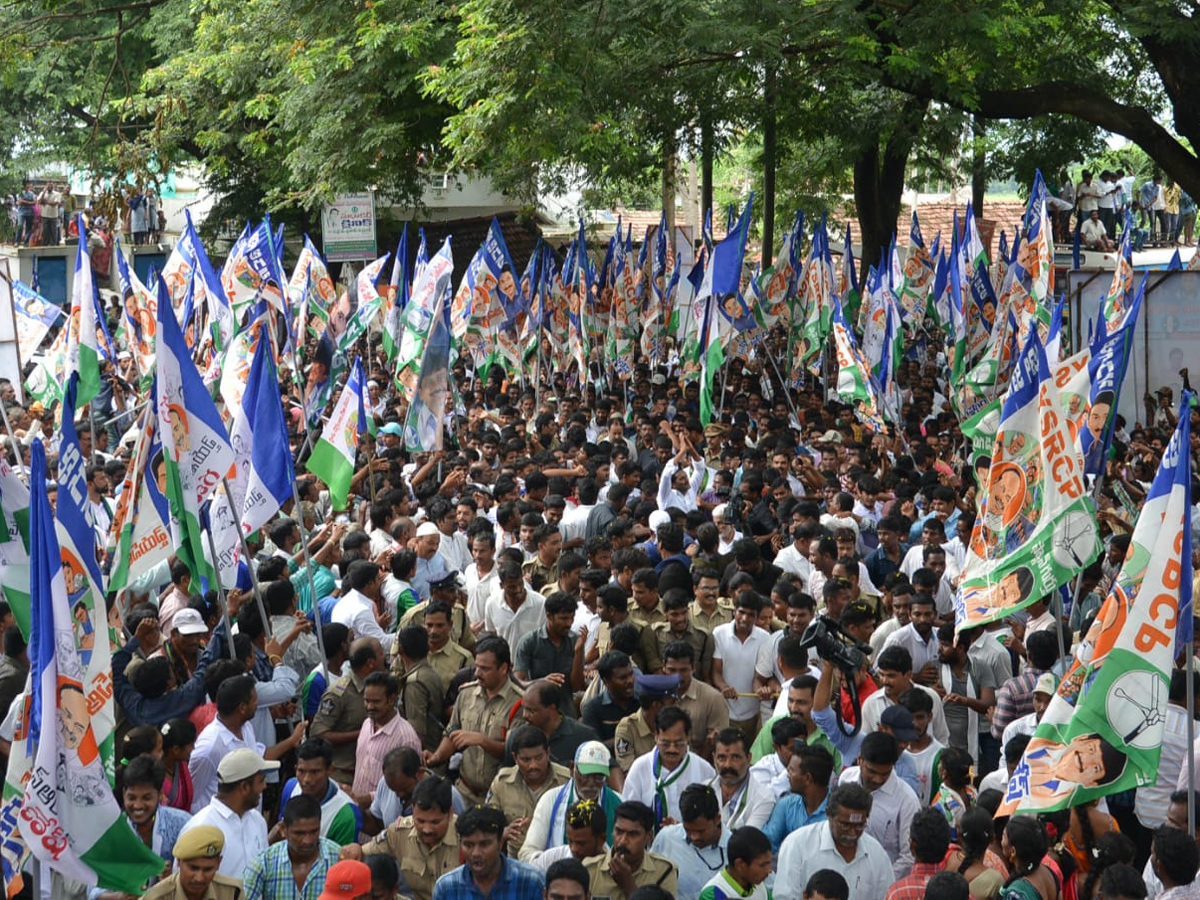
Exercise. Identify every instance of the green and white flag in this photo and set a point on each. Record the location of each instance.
(430, 286)
(333, 456)
(1103, 730)
(196, 449)
(83, 348)
(1036, 526)
(14, 545)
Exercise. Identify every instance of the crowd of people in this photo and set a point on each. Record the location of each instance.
(1160, 211)
(567, 654)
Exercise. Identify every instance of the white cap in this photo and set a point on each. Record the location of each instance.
(189, 621)
(426, 529)
(240, 764)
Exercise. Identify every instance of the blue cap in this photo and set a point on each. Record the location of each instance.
(656, 687)
(392, 428)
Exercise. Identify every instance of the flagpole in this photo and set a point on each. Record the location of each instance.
(312, 588)
(262, 609)
(19, 465)
(298, 510)
(221, 601)
(1191, 736)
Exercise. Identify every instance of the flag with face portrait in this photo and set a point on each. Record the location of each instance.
(1103, 730)
(1118, 300)
(424, 425)
(34, 316)
(1036, 526)
(1108, 362)
(139, 306)
(430, 286)
(913, 291)
(479, 308)
(855, 384)
(311, 293)
(196, 450)
(139, 529)
(370, 304)
(813, 310)
(61, 754)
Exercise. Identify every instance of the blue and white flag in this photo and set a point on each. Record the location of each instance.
(69, 818)
(35, 316)
(269, 481)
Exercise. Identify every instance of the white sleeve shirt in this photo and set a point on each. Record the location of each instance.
(811, 848)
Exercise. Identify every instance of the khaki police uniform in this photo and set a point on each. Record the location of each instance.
(422, 700)
(640, 617)
(721, 614)
(491, 717)
(421, 866)
(342, 709)
(655, 869)
(203, 842)
(658, 636)
(513, 797)
(460, 628)
(707, 708)
(633, 739)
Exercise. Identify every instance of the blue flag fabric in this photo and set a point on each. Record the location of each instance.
(271, 473)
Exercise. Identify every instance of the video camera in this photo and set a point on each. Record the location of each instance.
(835, 645)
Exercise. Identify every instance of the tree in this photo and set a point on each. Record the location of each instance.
(1126, 67)
(286, 104)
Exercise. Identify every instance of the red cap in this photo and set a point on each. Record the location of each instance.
(346, 880)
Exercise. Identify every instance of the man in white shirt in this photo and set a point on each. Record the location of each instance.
(918, 638)
(241, 780)
(698, 844)
(735, 651)
(481, 577)
(659, 777)
(453, 545)
(516, 609)
(359, 609)
(679, 487)
(841, 844)
(727, 534)
(893, 802)
(794, 557)
(744, 800)
(895, 676)
(1094, 235)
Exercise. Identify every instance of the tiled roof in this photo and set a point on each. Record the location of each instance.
(467, 234)
(939, 217)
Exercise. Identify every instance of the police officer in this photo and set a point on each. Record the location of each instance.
(629, 863)
(635, 732)
(198, 856)
(342, 711)
(425, 844)
(517, 789)
(480, 722)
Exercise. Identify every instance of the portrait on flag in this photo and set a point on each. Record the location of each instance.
(1036, 525)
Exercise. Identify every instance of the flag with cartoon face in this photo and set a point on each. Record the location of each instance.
(1036, 526)
(58, 800)
(1103, 730)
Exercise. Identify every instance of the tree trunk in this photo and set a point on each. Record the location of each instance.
(668, 183)
(706, 167)
(769, 147)
(879, 183)
(978, 165)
